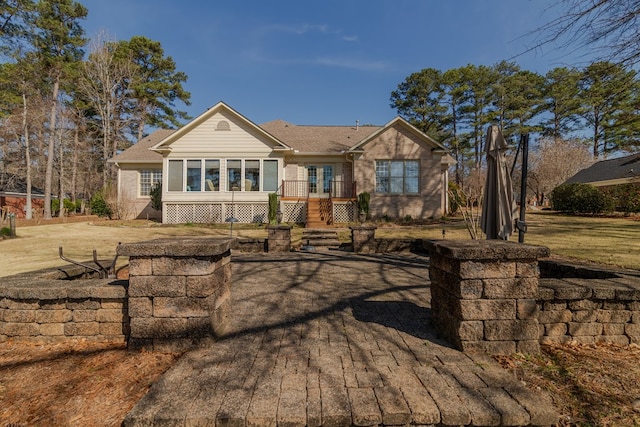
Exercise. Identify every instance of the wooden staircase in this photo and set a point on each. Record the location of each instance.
(318, 213)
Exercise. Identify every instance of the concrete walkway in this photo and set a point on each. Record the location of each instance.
(335, 339)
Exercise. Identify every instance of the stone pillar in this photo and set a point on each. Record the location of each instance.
(483, 294)
(179, 291)
(363, 239)
(279, 238)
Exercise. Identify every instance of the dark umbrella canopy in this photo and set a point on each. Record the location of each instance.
(498, 206)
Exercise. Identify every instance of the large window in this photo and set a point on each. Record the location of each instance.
(176, 177)
(208, 175)
(148, 178)
(194, 175)
(252, 175)
(212, 175)
(234, 175)
(270, 175)
(397, 176)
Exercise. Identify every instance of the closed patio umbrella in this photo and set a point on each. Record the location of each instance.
(498, 206)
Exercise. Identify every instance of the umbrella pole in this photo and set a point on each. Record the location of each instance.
(522, 225)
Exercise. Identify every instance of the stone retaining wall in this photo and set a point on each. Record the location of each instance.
(179, 291)
(483, 294)
(46, 308)
(588, 304)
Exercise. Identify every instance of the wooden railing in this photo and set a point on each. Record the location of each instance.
(299, 188)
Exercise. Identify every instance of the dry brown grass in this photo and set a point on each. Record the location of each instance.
(594, 385)
(74, 384)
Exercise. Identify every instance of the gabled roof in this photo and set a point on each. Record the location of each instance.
(11, 184)
(610, 172)
(140, 153)
(219, 107)
(283, 135)
(318, 139)
(405, 124)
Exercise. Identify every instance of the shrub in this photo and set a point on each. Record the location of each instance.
(156, 196)
(273, 208)
(457, 198)
(363, 202)
(626, 197)
(99, 205)
(581, 198)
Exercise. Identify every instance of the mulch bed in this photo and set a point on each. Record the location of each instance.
(75, 383)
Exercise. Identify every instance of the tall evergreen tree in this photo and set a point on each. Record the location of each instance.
(419, 100)
(562, 102)
(58, 40)
(606, 93)
(479, 81)
(456, 91)
(157, 85)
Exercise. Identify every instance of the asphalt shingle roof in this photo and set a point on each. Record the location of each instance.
(139, 152)
(607, 170)
(14, 184)
(318, 139)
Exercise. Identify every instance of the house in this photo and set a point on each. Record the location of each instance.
(221, 166)
(13, 195)
(611, 172)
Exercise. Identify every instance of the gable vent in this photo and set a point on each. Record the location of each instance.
(223, 125)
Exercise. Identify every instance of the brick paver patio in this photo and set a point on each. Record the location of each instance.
(335, 339)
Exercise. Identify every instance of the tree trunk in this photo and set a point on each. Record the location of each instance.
(74, 164)
(61, 176)
(48, 179)
(27, 156)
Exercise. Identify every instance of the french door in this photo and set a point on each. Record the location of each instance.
(319, 178)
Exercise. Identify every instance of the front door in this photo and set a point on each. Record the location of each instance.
(319, 178)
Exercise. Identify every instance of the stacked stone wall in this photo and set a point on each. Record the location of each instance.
(179, 291)
(483, 295)
(54, 310)
(587, 311)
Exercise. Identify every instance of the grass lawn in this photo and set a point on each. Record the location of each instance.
(590, 385)
(604, 240)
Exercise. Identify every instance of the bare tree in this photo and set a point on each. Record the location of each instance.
(609, 27)
(105, 85)
(556, 161)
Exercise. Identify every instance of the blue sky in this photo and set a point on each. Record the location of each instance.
(323, 62)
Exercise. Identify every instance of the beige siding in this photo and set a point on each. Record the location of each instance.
(132, 205)
(205, 140)
(399, 144)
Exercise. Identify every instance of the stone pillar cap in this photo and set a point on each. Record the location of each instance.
(180, 246)
(486, 249)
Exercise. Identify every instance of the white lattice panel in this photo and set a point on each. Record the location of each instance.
(201, 213)
(248, 212)
(344, 212)
(295, 212)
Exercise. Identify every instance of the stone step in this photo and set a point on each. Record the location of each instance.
(321, 242)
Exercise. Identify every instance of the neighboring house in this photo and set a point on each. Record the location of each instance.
(607, 173)
(221, 165)
(13, 195)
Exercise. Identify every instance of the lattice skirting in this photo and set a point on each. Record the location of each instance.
(295, 212)
(344, 212)
(199, 213)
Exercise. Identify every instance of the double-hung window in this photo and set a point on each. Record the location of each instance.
(397, 176)
(149, 178)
